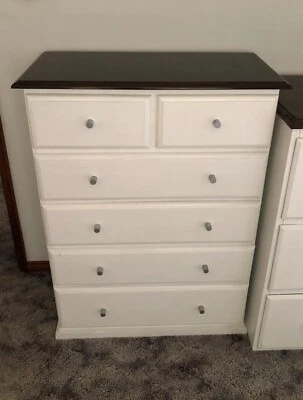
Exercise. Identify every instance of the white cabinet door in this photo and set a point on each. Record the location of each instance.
(74, 224)
(150, 177)
(293, 207)
(150, 306)
(282, 326)
(288, 262)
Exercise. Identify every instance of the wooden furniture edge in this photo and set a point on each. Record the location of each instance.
(11, 205)
(13, 215)
(37, 266)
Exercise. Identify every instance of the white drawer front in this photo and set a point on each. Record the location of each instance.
(293, 207)
(189, 121)
(150, 223)
(143, 306)
(288, 265)
(131, 177)
(145, 265)
(118, 121)
(282, 326)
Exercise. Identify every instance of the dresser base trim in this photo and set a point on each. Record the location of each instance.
(145, 331)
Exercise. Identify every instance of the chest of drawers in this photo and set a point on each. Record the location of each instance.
(274, 312)
(150, 189)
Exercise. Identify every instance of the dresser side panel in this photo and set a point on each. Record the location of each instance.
(273, 199)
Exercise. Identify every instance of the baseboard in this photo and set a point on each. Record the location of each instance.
(37, 266)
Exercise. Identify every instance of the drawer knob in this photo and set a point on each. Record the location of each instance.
(97, 228)
(201, 309)
(103, 312)
(212, 178)
(205, 268)
(217, 123)
(93, 180)
(100, 271)
(89, 123)
(208, 226)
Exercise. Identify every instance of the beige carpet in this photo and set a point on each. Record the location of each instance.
(34, 366)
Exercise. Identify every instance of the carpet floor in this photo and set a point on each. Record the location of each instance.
(34, 366)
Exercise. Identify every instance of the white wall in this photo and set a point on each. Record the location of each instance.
(271, 28)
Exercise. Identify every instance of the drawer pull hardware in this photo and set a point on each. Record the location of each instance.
(201, 309)
(208, 226)
(103, 312)
(93, 180)
(205, 269)
(97, 228)
(217, 123)
(212, 178)
(89, 123)
(100, 271)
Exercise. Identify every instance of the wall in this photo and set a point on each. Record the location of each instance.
(271, 28)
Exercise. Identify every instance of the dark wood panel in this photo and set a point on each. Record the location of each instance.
(11, 204)
(290, 107)
(38, 266)
(150, 70)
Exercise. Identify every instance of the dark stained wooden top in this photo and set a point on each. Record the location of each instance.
(290, 107)
(142, 70)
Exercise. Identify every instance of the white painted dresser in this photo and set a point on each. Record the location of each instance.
(150, 169)
(275, 305)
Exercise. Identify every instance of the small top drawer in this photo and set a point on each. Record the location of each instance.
(293, 207)
(89, 120)
(215, 120)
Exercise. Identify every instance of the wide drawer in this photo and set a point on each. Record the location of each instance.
(282, 326)
(146, 306)
(89, 120)
(131, 177)
(212, 120)
(73, 224)
(293, 207)
(150, 265)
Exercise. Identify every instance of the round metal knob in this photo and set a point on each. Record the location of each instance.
(97, 228)
(212, 178)
(201, 309)
(217, 123)
(208, 226)
(93, 180)
(89, 123)
(103, 312)
(205, 269)
(100, 271)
